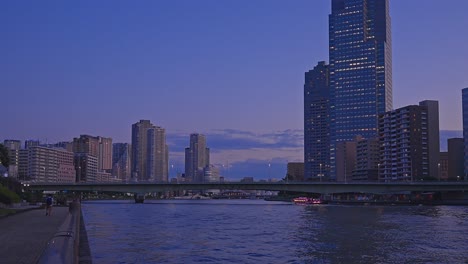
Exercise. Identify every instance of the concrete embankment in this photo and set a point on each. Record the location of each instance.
(25, 235)
(69, 244)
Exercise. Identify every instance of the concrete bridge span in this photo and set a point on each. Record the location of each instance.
(307, 187)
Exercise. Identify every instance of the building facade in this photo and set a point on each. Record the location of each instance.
(405, 138)
(13, 147)
(455, 158)
(316, 122)
(465, 130)
(197, 157)
(158, 155)
(86, 167)
(150, 154)
(367, 159)
(360, 52)
(121, 167)
(295, 171)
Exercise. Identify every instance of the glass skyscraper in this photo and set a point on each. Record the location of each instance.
(360, 69)
(316, 123)
(465, 127)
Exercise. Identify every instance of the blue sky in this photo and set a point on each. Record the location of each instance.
(208, 66)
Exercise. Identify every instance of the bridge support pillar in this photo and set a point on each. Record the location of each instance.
(139, 197)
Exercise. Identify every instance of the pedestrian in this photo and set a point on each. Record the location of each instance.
(49, 202)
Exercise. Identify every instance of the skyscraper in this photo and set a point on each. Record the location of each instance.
(158, 160)
(316, 123)
(360, 69)
(150, 160)
(139, 149)
(408, 138)
(197, 157)
(465, 128)
(121, 161)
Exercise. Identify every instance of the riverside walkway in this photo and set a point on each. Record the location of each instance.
(25, 235)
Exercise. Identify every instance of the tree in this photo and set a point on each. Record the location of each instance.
(4, 158)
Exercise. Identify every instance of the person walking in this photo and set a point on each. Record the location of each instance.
(49, 202)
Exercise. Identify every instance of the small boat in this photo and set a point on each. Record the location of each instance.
(307, 200)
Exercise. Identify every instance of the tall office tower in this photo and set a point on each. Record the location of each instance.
(316, 123)
(140, 149)
(105, 154)
(465, 129)
(405, 140)
(121, 161)
(433, 136)
(157, 159)
(31, 143)
(13, 147)
(360, 53)
(197, 157)
(455, 158)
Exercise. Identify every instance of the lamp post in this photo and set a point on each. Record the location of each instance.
(438, 170)
(378, 172)
(320, 175)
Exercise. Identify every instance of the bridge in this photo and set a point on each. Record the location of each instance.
(305, 187)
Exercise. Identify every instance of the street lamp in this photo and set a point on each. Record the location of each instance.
(438, 170)
(378, 172)
(320, 175)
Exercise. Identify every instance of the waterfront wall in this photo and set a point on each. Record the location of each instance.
(64, 246)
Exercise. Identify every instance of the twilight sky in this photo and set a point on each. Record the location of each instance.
(231, 69)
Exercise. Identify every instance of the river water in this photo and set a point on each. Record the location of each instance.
(257, 231)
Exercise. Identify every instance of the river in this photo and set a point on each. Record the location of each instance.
(257, 231)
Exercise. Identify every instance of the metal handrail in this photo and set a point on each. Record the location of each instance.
(62, 248)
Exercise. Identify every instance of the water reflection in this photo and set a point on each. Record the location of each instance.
(265, 232)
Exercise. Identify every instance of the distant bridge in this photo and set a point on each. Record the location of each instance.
(306, 187)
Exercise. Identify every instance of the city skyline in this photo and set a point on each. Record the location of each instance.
(73, 73)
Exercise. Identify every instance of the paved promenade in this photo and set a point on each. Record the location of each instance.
(24, 236)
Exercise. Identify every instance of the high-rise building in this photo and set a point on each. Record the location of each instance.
(316, 122)
(367, 159)
(433, 137)
(295, 171)
(121, 161)
(360, 52)
(99, 147)
(86, 166)
(46, 164)
(12, 144)
(13, 147)
(140, 149)
(105, 154)
(345, 160)
(465, 129)
(444, 165)
(150, 154)
(406, 136)
(158, 160)
(31, 143)
(455, 158)
(197, 157)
